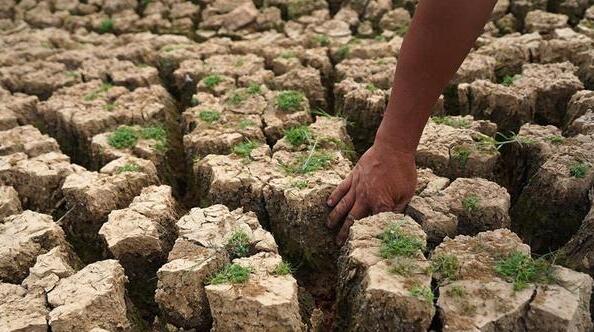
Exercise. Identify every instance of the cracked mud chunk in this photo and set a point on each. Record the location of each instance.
(564, 45)
(306, 80)
(38, 78)
(208, 238)
(376, 73)
(124, 73)
(459, 147)
(210, 129)
(483, 286)
(75, 114)
(543, 22)
(286, 109)
(18, 109)
(512, 51)
(581, 103)
(22, 310)
(556, 173)
(23, 237)
(26, 139)
(364, 106)
(58, 263)
(90, 197)
(9, 202)
(383, 283)
(466, 206)
(38, 180)
(266, 301)
(94, 297)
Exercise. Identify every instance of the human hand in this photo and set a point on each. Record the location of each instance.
(383, 180)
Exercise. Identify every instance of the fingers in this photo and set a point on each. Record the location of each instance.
(340, 191)
(342, 208)
(357, 212)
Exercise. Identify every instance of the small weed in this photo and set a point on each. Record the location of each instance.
(446, 266)
(238, 244)
(521, 269)
(245, 149)
(371, 87)
(456, 291)
(287, 54)
(109, 106)
(512, 138)
(289, 100)
(194, 101)
(396, 243)
(471, 203)
(300, 184)
(401, 30)
(123, 138)
(509, 80)
(451, 121)
(211, 81)
(209, 116)
(321, 40)
(254, 89)
(555, 139)
(404, 266)
(423, 293)
(579, 169)
(236, 98)
(342, 52)
(461, 154)
(106, 26)
(283, 268)
(298, 135)
(485, 143)
(232, 273)
(157, 133)
(129, 167)
(100, 90)
(245, 123)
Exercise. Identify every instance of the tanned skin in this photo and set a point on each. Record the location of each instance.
(441, 34)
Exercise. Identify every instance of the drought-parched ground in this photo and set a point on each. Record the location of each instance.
(164, 166)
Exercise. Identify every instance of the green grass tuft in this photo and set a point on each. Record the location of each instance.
(471, 203)
(404, 266)
(254, 89)
(509, 80)
(307, 164)
(209, 116)
(245, 123)
(287, 54)
(103, 88)
(555, 139)
(300, 184)
(283, 268)
(321, 40)
(342, 52)
(123, 138)
(109, 106)
(238, 244)
(129, 167)
(461, 154)
(298, 135)
(244, 149)
(231, 274)
(289, 100)
(451, 121)
(371, 87)
(396, 243)
(211, 81)
(157, 133)
(236, 98)
(579, 169)
(423, 293)
(446, 266)
(456, 291)
(521, 270)
(106, 26)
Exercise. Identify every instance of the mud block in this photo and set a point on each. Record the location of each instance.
(22, 310)
(58, 263)
(9, 202)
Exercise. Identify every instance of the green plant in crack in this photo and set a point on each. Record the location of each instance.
(579, 169)
(110, 106)
(521, 270)
(245, 149)
(106, 26)
(446, 266)
(451, 121)
(209, 116)
(456, 291)
(509, 80)
(298, 135)
(283, 268)
(254, 89)
(102, 89)
(237, 98)
(401, 30)
(471, 203)
(461, 155)
(211, 81)
(231, 274)
(321, 40)
(157, 133)
(342, 52)
(246, 123)
(485, 143)
(123, 138)
(371, 87)
(422, 292)
(512, 138)
(289, 100)
(300, 184)
(404, 266)
(396, 243)
(238, 244)
(314, 161)
(129, 167)
(555, 139)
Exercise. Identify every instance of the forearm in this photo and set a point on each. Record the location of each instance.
(440, 36)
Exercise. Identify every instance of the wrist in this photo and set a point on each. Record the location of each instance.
(387, 141)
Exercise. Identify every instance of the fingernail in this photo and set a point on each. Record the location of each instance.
(329, 202)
